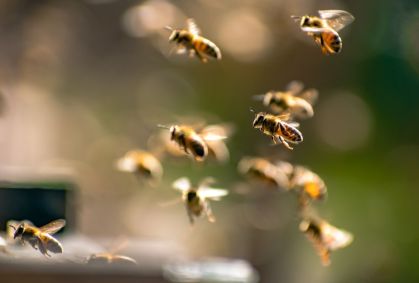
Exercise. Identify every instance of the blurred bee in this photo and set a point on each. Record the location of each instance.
(324, 29)
(196, 198)
(263, 170)
(141, 163)
(294, 100)
(197, 144)
(111, 257)
(278, 129)
(308, 185)
(325, 237)
(40, 238)
(190, 40)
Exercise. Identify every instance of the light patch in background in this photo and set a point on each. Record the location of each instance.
(344, 121)
(410, 40)
(149, 17)
(242, 34)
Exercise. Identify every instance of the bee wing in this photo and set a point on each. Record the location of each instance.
(315, 30)
(193, 27)
(219, 150)
(212, 137)
(53, 227)
(310, 95)
(295, 87)
(335, 238)
(285, 167)
(182, 184)
(225, 129)
(337, 19)
(294, 124)
(212, 193)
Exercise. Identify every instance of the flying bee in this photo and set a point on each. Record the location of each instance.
(110, 257)
(142, 163)
(192, 142)
(263, 170)
(190, 41)
(308, 185)
(294, 100)
(324, 29)
(278, 129)
(40, 238)
(196, 199)
(325, 237)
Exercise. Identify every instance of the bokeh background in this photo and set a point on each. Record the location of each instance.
(82, 82)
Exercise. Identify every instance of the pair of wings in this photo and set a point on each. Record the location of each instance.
(336, 20)
(204, 191)
(53, 227)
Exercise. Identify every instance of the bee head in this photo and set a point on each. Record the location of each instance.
(174, 130)
(305, 21)
(191, 195)
(175, 35)
(19, 230)
(257, 122)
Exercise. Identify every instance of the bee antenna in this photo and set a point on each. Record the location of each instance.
(163, 126)
(169, 28)
(252, 110)
(295, 18)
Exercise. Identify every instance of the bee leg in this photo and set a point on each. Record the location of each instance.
(191, 219)
(285, 143)
(208, 212)
(201, 57)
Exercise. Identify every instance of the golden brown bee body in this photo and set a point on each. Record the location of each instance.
(189, 40)
(190, 141)
(324, 29)
(263, 170)
(325, 237)
(109, 258)
(40, 238)
(142, 163)
(293, 101)
(308, 185)
(279, 130)
(196, 199)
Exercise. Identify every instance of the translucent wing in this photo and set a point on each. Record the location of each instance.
(193, 27)
(212, 193)
(335, 238)
(337, 19)
(182, 184)
(310, 95)
(315, 30)
(295, 87)
(53, 227)
(212, 137)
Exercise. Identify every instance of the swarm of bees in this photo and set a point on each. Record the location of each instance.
(203, 142)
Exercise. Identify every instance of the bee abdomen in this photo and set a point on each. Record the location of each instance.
(333, 41)
(198, 148)
(207, 47)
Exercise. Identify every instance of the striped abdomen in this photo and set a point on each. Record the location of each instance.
(206, 47)
(331, 42)
(290, 133)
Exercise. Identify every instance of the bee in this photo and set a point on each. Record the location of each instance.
(192, 142)
(263, 170)
(278, 129)
(294, 100)
(190, 40)
(196, 199)
(308, 185)
(40, 238)
(142, 163)
(324, 29)
(325, 237)
(110, 257)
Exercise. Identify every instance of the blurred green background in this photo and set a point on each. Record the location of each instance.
(82, 82)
